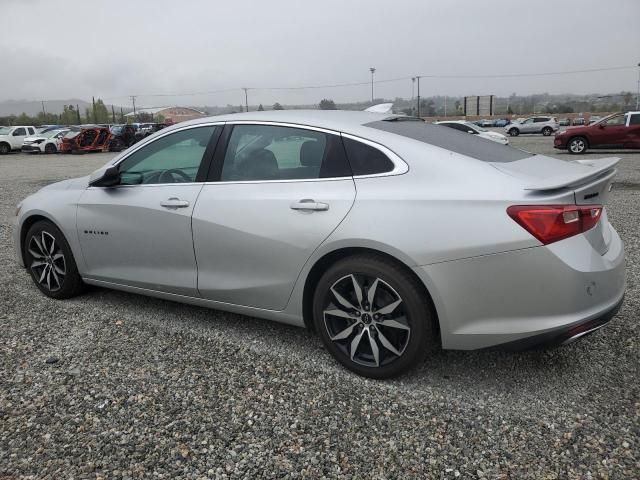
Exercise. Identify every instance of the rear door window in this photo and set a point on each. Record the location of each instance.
(270, 152)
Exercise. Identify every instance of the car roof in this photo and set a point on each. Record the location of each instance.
(338, 120)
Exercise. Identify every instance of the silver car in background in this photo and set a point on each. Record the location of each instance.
(539, 124)
(384, 236)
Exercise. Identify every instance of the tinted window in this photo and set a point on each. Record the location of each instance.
(540, 119)
(635, 119)
(469, 145)
(174, 158)
(19, 132)
(367, 160)
(264, 152)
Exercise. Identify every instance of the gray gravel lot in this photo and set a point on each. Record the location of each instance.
(113, 385)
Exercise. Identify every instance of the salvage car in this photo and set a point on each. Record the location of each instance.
(123, 136)
(619, 130)
(48, 142)
(388, 238)
(86, 139)
(11, 138)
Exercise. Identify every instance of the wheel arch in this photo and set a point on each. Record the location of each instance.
(324, 262)
(579, 135)
(27, 223)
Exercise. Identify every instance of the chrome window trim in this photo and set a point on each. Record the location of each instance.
(400, 166)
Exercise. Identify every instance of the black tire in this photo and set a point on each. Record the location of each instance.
(50, 148)
(577, 145)
(5, 148)
(413, 341)
(63, 280)
(546, 131)
(514, 132)
(117, 145)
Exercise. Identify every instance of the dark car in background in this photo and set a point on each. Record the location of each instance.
(123, 136)
(620, 130)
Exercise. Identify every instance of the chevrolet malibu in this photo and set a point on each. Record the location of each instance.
(387, 237)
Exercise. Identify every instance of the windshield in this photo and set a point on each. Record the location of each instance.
(5, 130)
(473, 126)
(451, 139)
(52, 133)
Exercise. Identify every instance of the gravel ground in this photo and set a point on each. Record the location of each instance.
(113, 385)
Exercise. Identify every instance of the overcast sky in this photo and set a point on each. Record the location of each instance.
(115, 48)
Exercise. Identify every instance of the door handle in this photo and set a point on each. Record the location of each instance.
(174, 202)
(309, 204)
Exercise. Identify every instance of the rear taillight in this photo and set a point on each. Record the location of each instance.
(550, 223)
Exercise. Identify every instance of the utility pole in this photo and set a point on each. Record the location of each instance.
(246, 98)
(133, 100)
(413, 85)
(93, 102)
(372, 70)
(78, 114)
(418, 109)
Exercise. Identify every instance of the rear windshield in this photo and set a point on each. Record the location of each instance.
(453, 140)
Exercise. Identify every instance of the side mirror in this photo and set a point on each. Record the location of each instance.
(109, 177)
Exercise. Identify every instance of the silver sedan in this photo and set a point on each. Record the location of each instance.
(385, 236)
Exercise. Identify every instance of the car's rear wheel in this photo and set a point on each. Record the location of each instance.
(577, 145)
(50, 261)
(50, 148)
(546, 131)
(4, 148)
(373, 316)
(514, 132)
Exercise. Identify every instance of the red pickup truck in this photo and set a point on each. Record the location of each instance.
(620, 130)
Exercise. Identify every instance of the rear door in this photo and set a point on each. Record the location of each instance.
(632, 139)
(277, 192)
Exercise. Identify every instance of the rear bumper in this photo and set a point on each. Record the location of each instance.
(534, 293)
(564, 335)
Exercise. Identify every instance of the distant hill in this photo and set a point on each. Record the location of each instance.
(16, 107)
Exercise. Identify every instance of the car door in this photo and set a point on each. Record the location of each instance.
(276, 193)
(17, 137)
(632, 138)
(138, 233)
(610, 132)
(527, 126)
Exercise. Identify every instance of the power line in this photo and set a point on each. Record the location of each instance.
(389, 80)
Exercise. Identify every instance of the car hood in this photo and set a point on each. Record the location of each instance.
(34, 138)
(79, 183)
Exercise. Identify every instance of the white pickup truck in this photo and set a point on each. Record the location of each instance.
(11, 138)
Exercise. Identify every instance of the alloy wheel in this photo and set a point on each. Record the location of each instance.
(366, 319)
(48, 265)
(577, 145)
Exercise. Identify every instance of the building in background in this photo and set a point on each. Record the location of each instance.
(168, 114)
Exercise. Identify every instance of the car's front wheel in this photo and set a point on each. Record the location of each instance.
(546, 131)
(373, 316)
(514, 132)
(50, 148)
(577, 145)
(50, 261)
(4, 148)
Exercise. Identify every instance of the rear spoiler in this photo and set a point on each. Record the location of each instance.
(588, 170)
